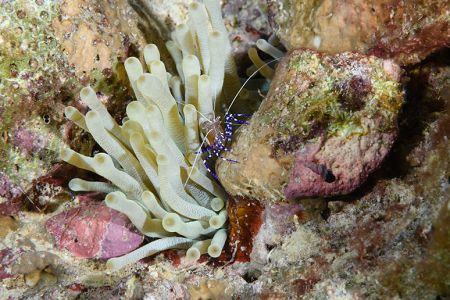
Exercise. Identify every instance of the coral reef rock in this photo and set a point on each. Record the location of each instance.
(402, 30)
(326, 124)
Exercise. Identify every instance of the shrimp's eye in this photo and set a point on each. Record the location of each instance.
(203, 127)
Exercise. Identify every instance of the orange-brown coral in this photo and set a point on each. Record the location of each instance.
(245, 222)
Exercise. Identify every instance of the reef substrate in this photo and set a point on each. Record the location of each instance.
(327, 122)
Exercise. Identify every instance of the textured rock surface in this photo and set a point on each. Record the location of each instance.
(245, 25)
(7, 259)
(388, 240)
(37, 268)
(8, 224)
(403, 30)
(326, 124)
(93, 230)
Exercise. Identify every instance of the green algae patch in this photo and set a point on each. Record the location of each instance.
(336, 92)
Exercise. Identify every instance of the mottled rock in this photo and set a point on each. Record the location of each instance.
(47, 192)
(10, 200)
(245, 26)
(7, 259)
(347, 163)
(405, 31)
(93, 230)
(29, 141)
(48, 50)
(38, 267)
(8, 224)
(326, 124)
(278, 221)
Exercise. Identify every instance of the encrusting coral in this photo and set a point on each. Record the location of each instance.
(156, 177)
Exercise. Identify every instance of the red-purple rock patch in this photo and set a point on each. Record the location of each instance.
(339, 166)
(93, 230)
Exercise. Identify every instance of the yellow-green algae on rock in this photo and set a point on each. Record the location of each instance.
(45, 58)
(326, 124)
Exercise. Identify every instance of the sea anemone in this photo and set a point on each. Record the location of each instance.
(155, 175)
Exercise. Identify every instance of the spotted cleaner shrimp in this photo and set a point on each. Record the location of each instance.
(215, 136)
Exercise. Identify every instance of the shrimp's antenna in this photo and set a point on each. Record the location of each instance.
(253, 74)
(23, 192)
(195, 110)
(199, 152)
